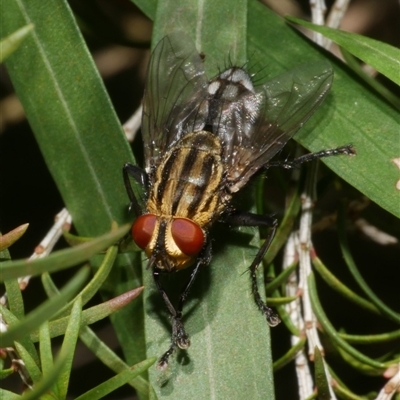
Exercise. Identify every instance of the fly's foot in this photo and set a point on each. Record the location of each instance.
(272, 318)
(163, 363)
(180, 339)
(179, 335)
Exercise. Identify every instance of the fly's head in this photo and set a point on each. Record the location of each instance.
(171, 243)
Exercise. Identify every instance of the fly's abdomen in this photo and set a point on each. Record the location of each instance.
(187, 183)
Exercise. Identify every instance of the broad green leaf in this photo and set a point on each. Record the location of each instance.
(228, 334)
(352, 113)
(222, 46)
(383, 57)
(60, 259)
(70, 114)
(371, 81)
(78, 133)
(148, 7)
(11, 43)
(229, 337)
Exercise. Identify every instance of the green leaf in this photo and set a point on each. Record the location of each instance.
(321, 380)
(371, 339)
(332, 333)
(281, 279)
(110, 359)
(148, 7)
(92, 287)
(42, 313)
(11, 237)
(92, 314)
(365, 369)
(14, 298)
(355, 65)
(24, 341)
(285, 227)
(279, 301)
(31, 365)
(79, 135)
(352, 266)
(341, 288)
(11, 43)
(6, 395)
(290, 355)
(99, 348)
(68, 348)
(60, 259)
(196, 19)
(117, 381)
(46, 354)
(5, 372)
(47, 382)
(62, 83)
(230, 342)
(352, 113)
(383, 57)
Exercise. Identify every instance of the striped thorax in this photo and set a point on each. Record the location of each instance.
(186, 197)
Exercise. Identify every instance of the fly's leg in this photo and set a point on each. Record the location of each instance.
(203, 259)
(271, 317)
(259, 220)
(141, 177)
(241, 218)
(177, 325)
(179, 336)
(250, 219)
(288, 164)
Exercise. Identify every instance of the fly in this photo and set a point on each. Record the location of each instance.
(203, 140)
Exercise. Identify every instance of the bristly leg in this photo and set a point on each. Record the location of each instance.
(289, 164)
(270, 315)
(179, 337)
(250, 219)
(141, 177)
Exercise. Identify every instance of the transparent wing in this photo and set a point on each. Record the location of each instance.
(257, 126)
(174, 99)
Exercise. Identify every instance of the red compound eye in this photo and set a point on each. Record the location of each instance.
(142, 229)
(188, 236)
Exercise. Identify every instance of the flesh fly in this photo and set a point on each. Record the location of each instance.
(203, 141)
